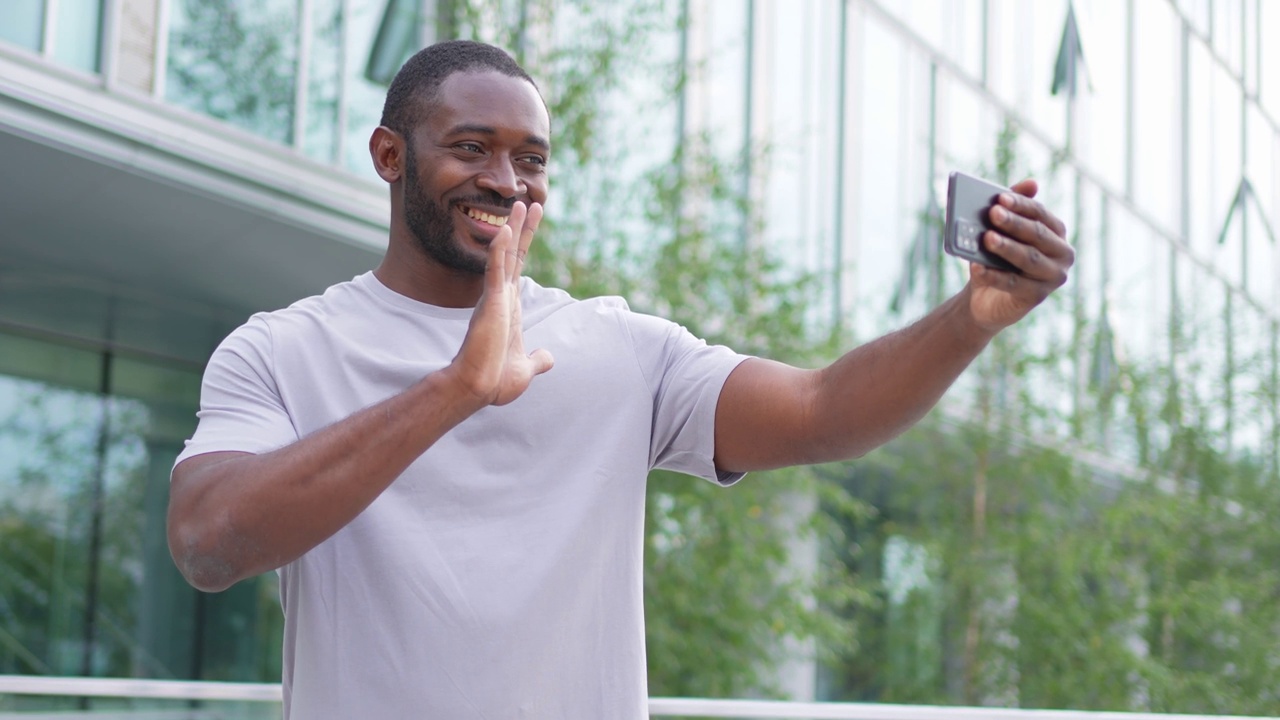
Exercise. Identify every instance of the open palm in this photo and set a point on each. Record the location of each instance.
(492, 362)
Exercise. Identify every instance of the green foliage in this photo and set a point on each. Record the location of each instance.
(1134, 572)
(46, 538)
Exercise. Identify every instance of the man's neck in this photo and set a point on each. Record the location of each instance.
(421, 278)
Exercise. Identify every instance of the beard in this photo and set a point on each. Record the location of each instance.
(432, 223)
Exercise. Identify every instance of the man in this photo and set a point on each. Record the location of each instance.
(457, 524)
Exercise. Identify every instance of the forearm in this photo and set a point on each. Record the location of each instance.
(878, 390)
(236, 516)
(772, 415)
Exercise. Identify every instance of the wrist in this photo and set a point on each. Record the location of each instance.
(454, 393)
(970, 328)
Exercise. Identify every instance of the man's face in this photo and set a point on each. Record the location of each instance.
(483, 145)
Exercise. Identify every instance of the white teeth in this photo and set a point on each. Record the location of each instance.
(498, 220)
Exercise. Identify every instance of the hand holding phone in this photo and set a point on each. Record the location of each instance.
(969, 202)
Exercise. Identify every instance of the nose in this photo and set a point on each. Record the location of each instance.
(500, 176)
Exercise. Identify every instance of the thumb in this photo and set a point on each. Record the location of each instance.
(542, 361)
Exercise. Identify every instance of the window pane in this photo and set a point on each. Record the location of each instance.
(1101, 107)
(1202, 302)
(1269, 77)
(953, 27)
(236, 61)
(324, 80)
(1197, 12)
(364, 98)
(717, 95)
(1261, 251)
(800, 77)
(1157, 107)
(1024, 50)
(1252, 41)
(1226, 171)
(1254, 406)
(1263, 171)
(79, 34)
(884, 220)
(1214, 172)
(967, 130)
(1139, 288)
(1228, 31)
(86, 590)
(20, 23)
(46, 473)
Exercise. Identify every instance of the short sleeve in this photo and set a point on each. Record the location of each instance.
(240, 405)
(685, 376)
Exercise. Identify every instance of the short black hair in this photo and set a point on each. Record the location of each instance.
(416, 84)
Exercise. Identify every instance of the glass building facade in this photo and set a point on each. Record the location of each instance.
(1152, 126)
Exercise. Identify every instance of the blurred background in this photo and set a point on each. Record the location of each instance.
(1086, 521)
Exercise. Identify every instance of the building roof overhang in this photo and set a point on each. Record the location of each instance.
(122, 188)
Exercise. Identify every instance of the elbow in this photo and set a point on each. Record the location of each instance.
(201, 557)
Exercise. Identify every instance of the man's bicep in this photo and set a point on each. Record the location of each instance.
(191, 479)
(188, 471)
(763, 416)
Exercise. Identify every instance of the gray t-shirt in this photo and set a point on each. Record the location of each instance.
(501, 575)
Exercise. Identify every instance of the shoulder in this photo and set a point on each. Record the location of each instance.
(539, 303)
(347, 296)
(318, 311)
(257, 336)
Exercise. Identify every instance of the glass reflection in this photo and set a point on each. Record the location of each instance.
(363, 97)
(324, 81)
(236, 61)
(78, 39)
(87, 586)
(21, 22)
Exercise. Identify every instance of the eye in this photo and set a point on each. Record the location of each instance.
(534, 160)
(470, 147)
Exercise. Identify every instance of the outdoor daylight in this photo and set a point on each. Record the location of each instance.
(623, 359)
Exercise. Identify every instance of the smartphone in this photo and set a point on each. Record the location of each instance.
(969, 201)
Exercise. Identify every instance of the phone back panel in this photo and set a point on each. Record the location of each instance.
(969, 200)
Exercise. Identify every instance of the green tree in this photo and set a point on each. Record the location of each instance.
(1053, 573)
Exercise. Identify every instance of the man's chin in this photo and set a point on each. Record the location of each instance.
(473, 254)
(464, 257)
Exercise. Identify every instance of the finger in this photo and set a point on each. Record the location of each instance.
(515, 225)
(1031, 231)
(1027, 187)
(1025, 206)
(495, 271)
(1029, 259)
(532, 220)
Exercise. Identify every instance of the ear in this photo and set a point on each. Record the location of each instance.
(386, 147)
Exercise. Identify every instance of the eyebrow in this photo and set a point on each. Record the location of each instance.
(466, 128)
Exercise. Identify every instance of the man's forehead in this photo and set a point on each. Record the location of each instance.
(487, 98)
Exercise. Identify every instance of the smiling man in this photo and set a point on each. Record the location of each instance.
(457, 524)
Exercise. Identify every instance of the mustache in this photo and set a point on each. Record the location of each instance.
(490, 198)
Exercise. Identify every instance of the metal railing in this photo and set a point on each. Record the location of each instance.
(128, 688)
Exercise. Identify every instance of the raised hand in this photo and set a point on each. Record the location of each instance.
(492, 363)
(1033, 239)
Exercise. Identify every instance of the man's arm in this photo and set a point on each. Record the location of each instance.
(233, 515)
(771, 415)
